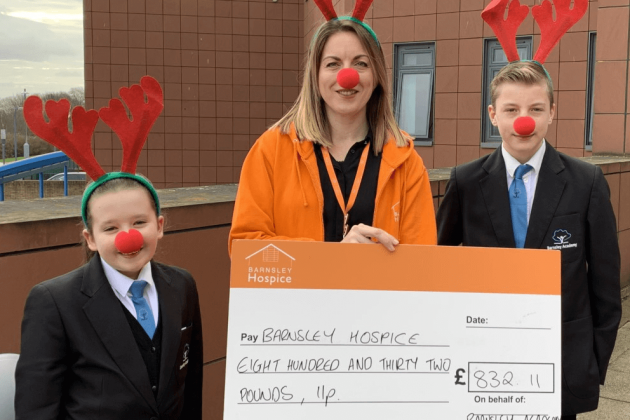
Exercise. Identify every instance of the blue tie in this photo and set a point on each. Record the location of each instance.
(518, 205)
(143, 310)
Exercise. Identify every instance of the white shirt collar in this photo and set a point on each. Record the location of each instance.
(121, 283)
(535, 161)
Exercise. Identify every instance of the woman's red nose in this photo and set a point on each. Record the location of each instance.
(348, 78)
(128, 242)
(524, 126)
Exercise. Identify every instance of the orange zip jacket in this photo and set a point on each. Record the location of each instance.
(280, 196)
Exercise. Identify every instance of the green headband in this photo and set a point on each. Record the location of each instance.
(111, 176)
(360, 22)
(355, 20)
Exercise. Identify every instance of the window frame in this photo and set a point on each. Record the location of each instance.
(491, 45)
(590, 90)
(399, 70)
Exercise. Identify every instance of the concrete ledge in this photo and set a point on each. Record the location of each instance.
(52, 222)
(69, 207)
(65, 207)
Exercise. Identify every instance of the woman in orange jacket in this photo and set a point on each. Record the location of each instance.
(337, 167)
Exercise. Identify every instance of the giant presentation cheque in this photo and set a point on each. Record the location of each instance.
(347, 331)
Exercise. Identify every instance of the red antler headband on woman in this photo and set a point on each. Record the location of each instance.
(132, 131)
(358, 14)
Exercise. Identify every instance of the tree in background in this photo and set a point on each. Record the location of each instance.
(76, 96)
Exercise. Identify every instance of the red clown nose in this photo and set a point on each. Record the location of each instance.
(524, 126)
(348, 78)
(129, 242)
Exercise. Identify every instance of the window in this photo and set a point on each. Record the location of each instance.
(494, 61)
(414, 75)
(590, 91)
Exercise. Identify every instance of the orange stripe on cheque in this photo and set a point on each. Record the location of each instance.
(320, 265)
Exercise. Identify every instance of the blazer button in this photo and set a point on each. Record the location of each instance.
(154, 418)
(154, 388)
(152, 349)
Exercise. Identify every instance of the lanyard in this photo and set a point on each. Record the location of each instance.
(355, 186)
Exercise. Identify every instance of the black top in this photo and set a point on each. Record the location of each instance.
(150, 349)
(363, 209)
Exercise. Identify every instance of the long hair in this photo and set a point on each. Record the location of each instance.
(308, 113)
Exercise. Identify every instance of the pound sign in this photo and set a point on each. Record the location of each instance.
(458, 377)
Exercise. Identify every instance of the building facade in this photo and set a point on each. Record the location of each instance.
(231, 68)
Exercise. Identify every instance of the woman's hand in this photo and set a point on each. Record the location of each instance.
(362, 234)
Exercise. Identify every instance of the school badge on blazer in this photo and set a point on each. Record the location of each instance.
(565, 234)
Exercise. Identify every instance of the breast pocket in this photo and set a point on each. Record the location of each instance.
(183, 353)
(565, 234)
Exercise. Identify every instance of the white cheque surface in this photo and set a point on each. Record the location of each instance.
(309, 353)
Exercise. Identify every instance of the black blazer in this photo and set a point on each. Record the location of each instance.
(79, 358)
(571, 205)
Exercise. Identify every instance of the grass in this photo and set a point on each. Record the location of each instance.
(9, 160)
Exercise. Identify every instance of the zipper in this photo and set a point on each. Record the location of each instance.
(380, 191)
(318, 191)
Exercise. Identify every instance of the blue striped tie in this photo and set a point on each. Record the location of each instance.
(518, 205)
(143, 310)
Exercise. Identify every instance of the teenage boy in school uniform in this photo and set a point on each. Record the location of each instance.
(528, 195)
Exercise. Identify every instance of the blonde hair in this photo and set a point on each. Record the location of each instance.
(526, 72)
(308, 113)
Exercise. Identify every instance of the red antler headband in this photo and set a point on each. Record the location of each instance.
(132, 131)
(358, 14)
(551, 31)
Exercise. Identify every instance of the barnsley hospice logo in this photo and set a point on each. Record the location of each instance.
(269, 265)
(561, 240)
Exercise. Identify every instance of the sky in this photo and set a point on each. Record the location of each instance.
(41, 46)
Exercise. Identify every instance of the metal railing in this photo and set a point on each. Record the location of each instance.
(37, 165)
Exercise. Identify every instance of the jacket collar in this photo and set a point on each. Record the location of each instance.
(393, 155)
(104, 312)
(549, 189)
(171, 308)
(304, 148)
(494, 189)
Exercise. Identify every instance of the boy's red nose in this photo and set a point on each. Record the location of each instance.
(524, 126)
(348, 78)
(128, 242)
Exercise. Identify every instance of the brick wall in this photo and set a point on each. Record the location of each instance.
(610, 125)
(232, 68)
(228, 68)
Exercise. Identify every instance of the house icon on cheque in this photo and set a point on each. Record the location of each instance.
(270, 255)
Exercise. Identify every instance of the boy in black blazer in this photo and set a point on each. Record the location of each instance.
(553, 202)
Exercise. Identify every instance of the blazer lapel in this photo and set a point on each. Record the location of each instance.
(549, 188)
(171, 314)
(495, 194)
(104, 311)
